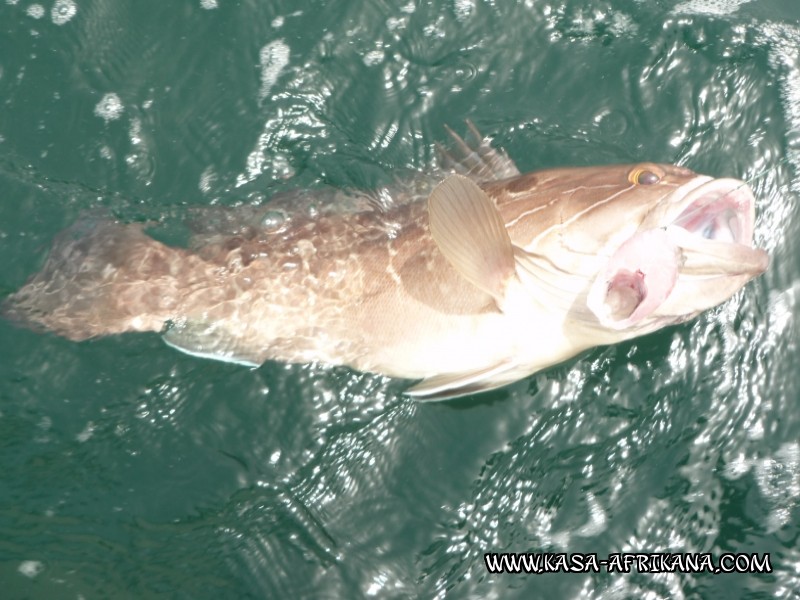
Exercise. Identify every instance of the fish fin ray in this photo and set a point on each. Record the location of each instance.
(473, 156)
(533, 263)
(471, 235)
(448, 386)
(209, 340)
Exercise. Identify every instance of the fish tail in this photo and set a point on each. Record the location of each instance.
(100, 278)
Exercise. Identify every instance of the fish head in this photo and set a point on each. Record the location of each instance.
(633, 247)
(581, 257)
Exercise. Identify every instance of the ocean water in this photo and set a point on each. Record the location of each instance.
(128, 470)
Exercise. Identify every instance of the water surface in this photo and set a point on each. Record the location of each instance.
(128, 470)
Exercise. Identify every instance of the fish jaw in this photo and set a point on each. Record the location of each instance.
(693, 252)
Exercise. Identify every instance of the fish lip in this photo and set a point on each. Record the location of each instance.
(700, 201)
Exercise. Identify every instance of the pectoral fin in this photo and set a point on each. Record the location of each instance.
(471, 235)
(209, 340)
(448, 386)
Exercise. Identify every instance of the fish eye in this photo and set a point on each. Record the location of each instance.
(643, 176)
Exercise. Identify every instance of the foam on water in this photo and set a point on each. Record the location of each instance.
(30, 568)
(710, 7)
(110, 107)
(35, 11)
(273, 59)
(63, 11)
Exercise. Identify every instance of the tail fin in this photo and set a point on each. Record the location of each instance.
(100, 278)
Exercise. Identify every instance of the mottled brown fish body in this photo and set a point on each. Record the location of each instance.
(467, 286)
(334, 289)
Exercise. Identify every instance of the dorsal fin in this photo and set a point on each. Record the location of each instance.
(471, 235)
(474, 157)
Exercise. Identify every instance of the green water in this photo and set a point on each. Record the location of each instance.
(128, 470)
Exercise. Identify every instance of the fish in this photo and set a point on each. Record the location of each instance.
(466, 278)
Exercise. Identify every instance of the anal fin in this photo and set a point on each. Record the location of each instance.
(209, 340)
(448, 386)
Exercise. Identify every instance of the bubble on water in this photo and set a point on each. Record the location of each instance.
(278, 22)
(30, 568)
(273, 221)
(208, 4)
(36, 11)
(273, 58)
(109, 108)
(63, 11)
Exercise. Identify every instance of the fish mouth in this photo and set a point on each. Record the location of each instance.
(683, 262)
(714, 230)
(721, 210)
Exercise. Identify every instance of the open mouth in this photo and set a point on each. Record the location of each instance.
(720, 210)
(706, 252)
(715, 231)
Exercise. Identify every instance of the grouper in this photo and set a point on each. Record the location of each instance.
(467, 279)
